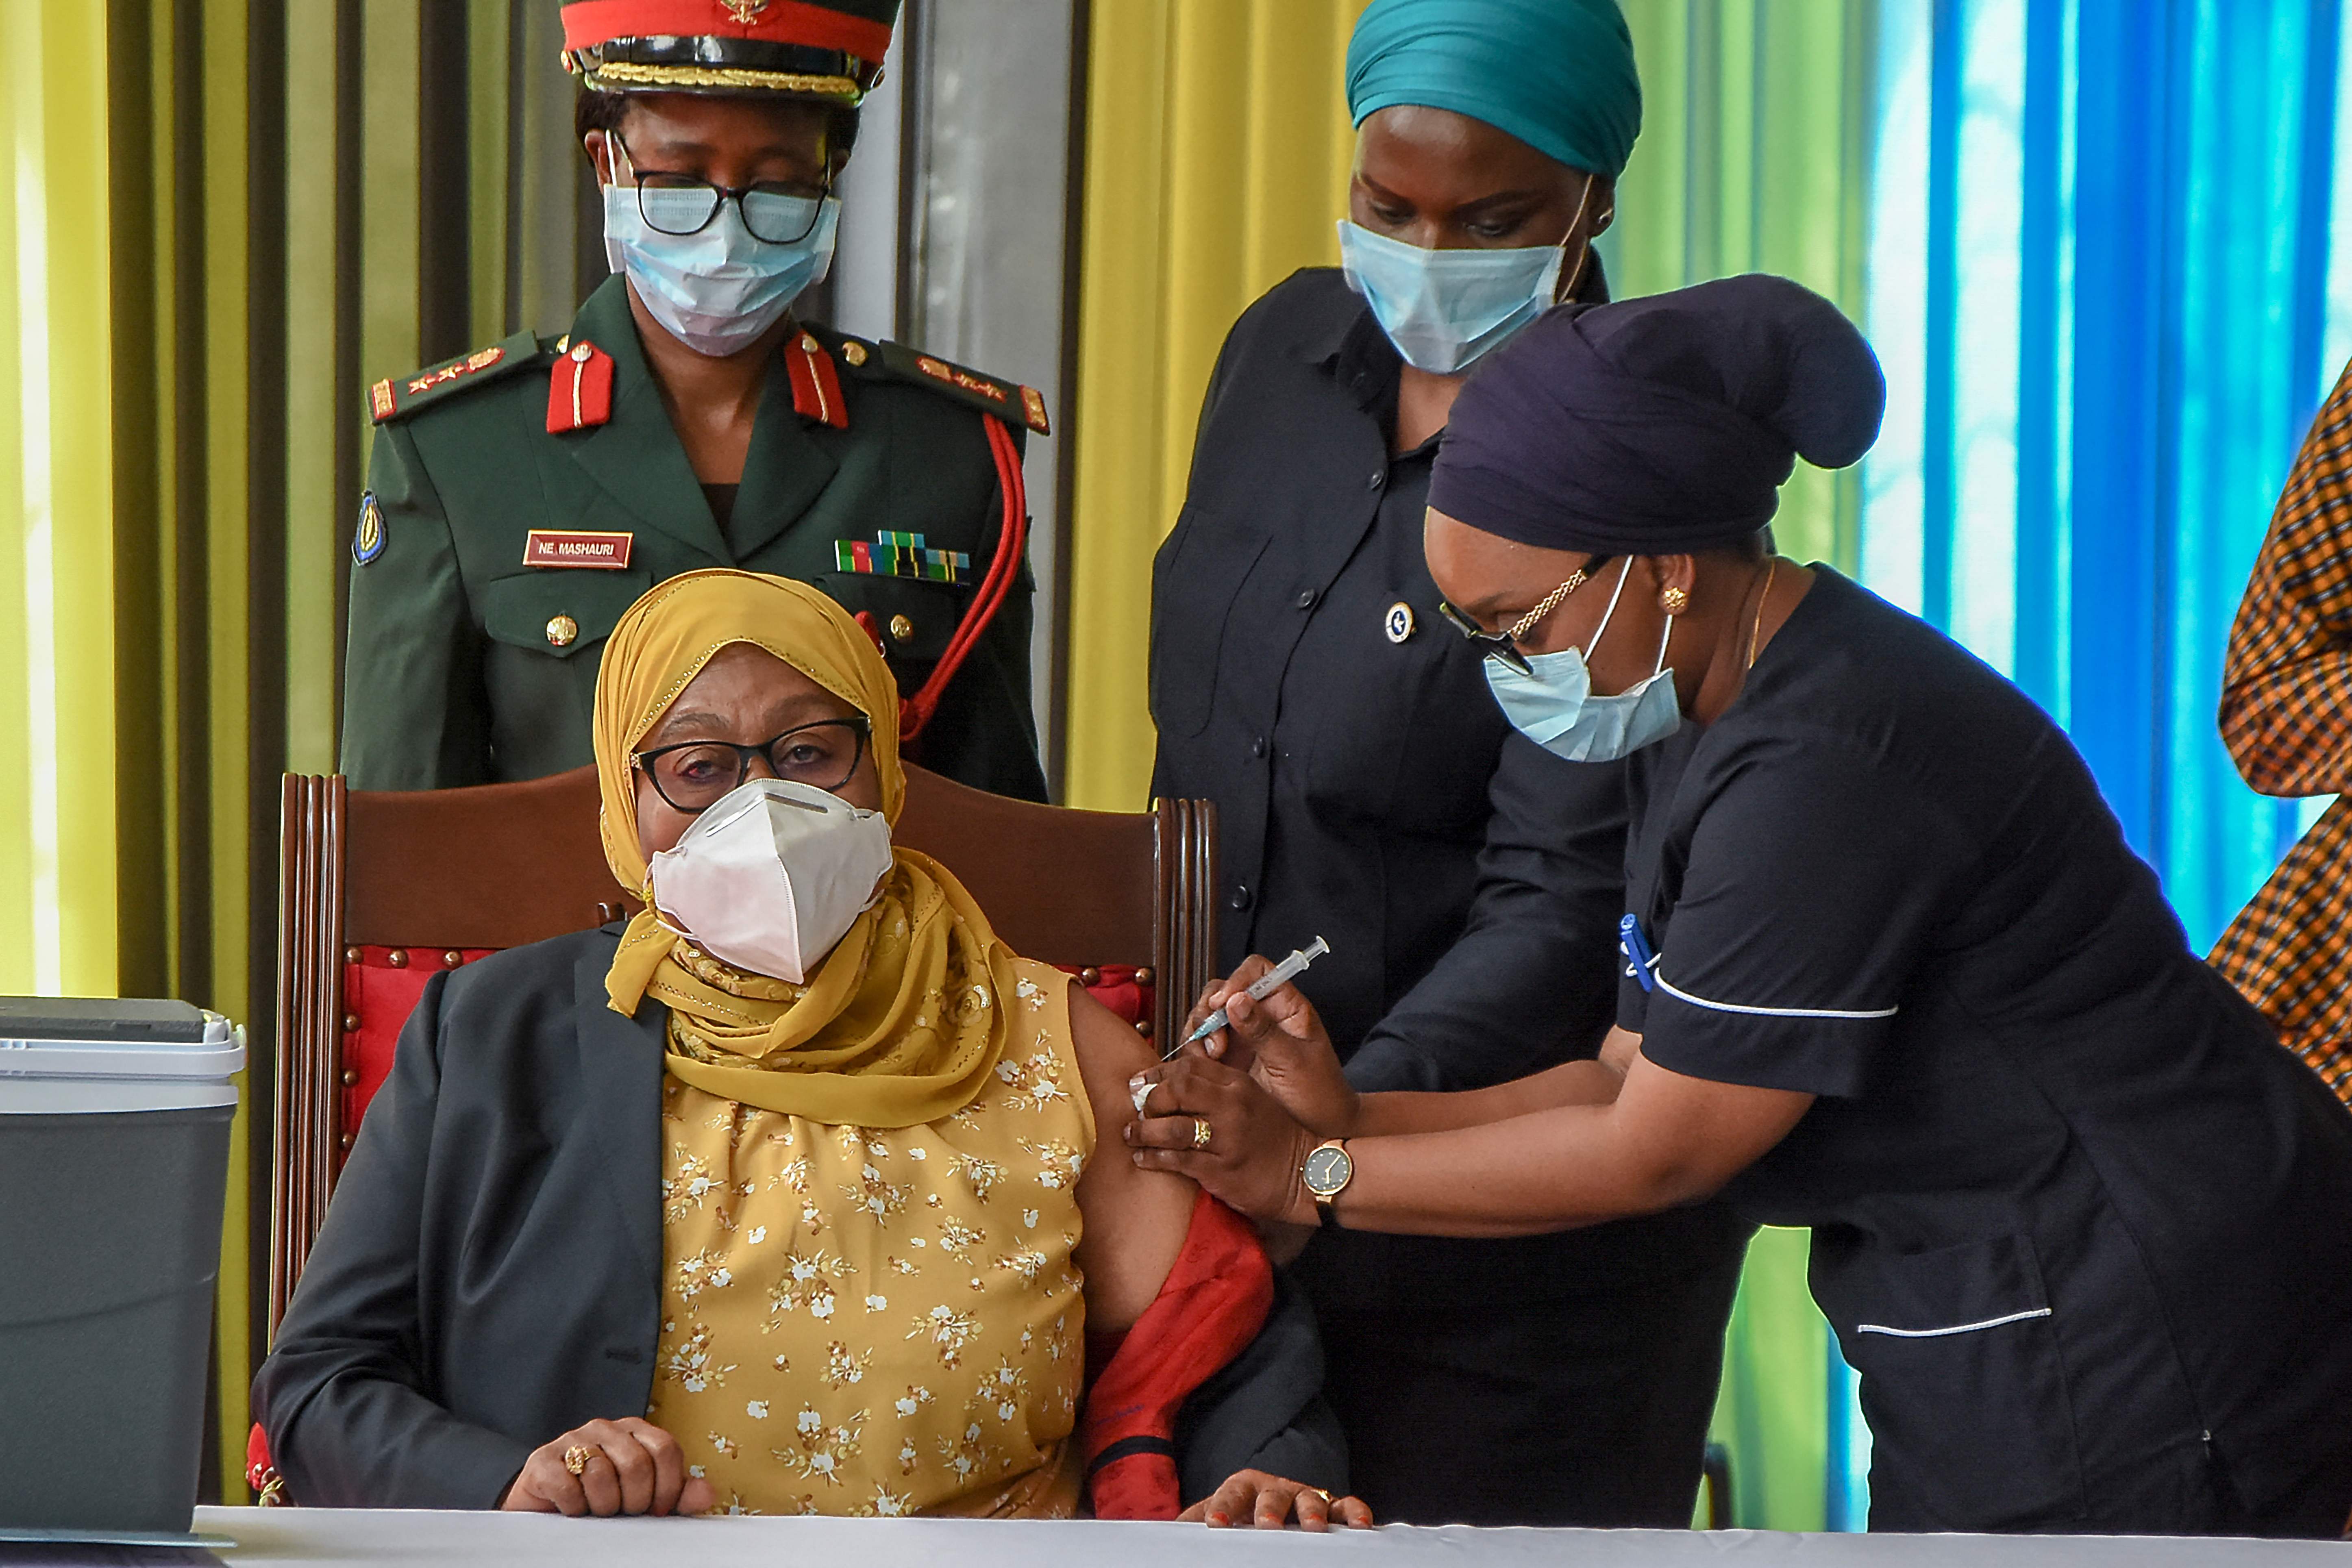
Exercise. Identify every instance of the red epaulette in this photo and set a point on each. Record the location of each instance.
(816, 383)
(580, 389)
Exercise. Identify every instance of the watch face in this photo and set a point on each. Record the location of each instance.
(1328, 1170)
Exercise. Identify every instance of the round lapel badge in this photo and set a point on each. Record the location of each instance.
(1399, 623)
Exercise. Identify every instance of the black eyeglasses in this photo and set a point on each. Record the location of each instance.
(1505, 649)
(776, 211)
(695, 775)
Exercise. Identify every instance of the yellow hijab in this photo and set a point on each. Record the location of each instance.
(904, 1020)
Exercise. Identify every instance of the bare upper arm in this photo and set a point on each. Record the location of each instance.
(1687, 1137)
(1135, 1219)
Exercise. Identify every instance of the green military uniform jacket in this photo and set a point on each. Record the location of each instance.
(467, 666)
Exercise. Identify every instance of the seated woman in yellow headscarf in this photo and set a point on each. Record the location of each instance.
(781, 1200)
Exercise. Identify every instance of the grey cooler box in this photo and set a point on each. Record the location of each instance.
(114, 1131)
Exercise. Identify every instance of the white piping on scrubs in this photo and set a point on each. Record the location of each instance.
(1669, 987)
(1955, 1328)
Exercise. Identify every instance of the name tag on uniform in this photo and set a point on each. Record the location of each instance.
(546, 547)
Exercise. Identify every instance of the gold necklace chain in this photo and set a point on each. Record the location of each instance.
(1756, 628)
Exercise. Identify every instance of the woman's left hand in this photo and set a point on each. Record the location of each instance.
(1254, 1499)
(1252, 1153)
(1280, 1040)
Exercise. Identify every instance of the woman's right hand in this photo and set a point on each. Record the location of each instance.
(1252, 1499)
(1279, 1041)
(626, 1467)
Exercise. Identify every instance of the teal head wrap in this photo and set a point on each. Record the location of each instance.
(1557, 74)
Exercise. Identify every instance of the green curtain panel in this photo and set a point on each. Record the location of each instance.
(1756, 156)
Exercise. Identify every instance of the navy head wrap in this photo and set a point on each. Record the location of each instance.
(1557, 74)
(1659, 425)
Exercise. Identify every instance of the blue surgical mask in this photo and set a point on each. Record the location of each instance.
(1555, 706)
(1443, 309)
(716, 290)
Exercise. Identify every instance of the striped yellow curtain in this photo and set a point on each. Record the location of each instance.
(223, 219)
(1216, 162)
(57, 796)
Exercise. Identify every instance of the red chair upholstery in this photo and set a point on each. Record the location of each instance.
(382, 988)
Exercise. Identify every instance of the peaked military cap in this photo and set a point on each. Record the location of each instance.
(826, 49)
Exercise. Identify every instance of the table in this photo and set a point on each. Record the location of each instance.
(295, 1537)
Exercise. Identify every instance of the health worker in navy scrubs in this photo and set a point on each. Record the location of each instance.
(1369, 792)
(1891, 973)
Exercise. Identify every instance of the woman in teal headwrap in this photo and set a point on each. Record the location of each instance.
(1481, 124)
(1369, 791)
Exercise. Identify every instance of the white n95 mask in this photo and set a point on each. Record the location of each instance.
(772, 876)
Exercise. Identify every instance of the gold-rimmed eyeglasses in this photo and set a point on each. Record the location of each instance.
(1503, 650)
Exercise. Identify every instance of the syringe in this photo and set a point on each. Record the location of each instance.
(1281, 974)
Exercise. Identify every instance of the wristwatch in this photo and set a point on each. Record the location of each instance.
(1326, 1174)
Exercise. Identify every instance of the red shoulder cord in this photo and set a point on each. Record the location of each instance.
(1012, 548)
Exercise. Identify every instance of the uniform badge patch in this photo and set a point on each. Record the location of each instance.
(367, 542)
(897, 553)
(551, 547)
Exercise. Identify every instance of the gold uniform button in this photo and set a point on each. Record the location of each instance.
(901, 629)
(562, 630)
(853, 352)
(581, 353)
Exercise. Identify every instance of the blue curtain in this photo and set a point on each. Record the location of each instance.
(2100, 276)
(2110, 280)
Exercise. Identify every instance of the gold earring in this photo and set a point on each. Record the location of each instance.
(1673, 601)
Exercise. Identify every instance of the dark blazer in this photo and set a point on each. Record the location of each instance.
(489, 1273)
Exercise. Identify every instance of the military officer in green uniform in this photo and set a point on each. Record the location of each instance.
(520, 497)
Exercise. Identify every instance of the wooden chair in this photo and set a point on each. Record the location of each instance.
(378, 891)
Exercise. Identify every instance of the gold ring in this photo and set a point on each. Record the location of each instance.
(1319, 1491)
(575, 1458)
(1199, 1132)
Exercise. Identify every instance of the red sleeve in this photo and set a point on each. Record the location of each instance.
(1211, 1305)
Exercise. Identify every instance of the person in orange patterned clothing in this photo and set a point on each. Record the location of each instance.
(2286, 717)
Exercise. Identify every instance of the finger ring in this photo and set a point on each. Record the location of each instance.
(1142, 1093)
(1199, 1132)
(1319, 1491)
(575, 1458)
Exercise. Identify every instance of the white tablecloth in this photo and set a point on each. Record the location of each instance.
(289, 1537)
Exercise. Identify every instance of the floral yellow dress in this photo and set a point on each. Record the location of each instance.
(882, 1323)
